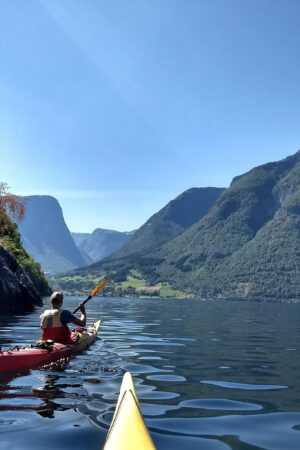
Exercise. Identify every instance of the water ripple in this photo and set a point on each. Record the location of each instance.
(269, 431)
(245, 386)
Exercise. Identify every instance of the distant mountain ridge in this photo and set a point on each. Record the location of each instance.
(100, 243)
(181, 212)
(46, 236)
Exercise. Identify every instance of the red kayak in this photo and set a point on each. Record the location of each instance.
(42, 352)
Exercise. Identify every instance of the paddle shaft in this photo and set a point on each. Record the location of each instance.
(97, 289)
(89, 297)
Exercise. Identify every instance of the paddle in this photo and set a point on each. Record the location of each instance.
(97, 289)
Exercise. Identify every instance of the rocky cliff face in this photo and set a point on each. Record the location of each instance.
(17, 292)
(46, 236)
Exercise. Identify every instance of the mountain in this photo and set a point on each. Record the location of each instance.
(46, 237)
(100, 243)
(78, 238)
(247, 246)
(171, 220)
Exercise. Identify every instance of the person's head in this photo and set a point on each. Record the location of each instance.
(56, 299)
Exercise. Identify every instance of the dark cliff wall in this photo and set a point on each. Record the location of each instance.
(17, 292)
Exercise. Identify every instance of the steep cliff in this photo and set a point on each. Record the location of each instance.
(46, 236)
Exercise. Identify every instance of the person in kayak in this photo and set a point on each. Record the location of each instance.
(54, 322)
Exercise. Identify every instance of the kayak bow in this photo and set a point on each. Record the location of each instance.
(32, 356)
(128, 430)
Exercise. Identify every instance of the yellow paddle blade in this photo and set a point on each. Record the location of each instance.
(99, 287)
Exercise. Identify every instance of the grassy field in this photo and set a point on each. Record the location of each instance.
(135, 285)
(136, 281)
(167, 291)
(132, 281)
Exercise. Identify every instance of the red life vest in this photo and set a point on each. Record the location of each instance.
(53, 329)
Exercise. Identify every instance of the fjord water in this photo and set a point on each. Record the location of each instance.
(209, 375)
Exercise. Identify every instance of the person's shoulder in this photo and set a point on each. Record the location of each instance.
(66, 315)
(66, 312)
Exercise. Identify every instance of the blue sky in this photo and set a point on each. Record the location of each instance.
(115, 107)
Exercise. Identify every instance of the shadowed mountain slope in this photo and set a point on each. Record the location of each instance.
(176, 216)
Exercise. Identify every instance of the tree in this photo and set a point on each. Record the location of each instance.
(11, 206)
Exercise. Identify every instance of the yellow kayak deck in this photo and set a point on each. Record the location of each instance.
(128, 430)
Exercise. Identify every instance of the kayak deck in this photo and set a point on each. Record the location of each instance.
(30, 356)
(128, 430)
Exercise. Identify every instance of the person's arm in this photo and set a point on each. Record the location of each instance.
(82, 321)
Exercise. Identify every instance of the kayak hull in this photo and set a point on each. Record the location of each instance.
(128, 430)
(29, 357)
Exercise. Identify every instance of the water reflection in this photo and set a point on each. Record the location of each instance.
(209, 375)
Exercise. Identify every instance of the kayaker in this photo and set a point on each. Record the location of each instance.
(54, 322)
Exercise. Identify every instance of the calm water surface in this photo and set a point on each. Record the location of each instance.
(209, 375)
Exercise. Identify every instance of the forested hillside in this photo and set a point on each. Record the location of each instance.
(171, 220)
(248, 245)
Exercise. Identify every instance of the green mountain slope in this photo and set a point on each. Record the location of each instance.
(247, 246)
(171, 220)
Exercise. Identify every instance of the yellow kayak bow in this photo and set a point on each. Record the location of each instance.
(128, 430)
